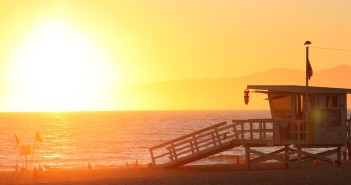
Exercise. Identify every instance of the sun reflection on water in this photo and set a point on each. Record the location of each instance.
(105, 139)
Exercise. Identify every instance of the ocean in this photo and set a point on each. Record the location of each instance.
(105, 139)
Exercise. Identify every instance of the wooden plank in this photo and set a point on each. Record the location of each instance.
(195, 137)
(308, 158)
(259, 130)
(162, 155)
(262, 158)
(188, 145)
(183, 152)
(271, 156)
(315, 156)
(199, 155)
(263, 120)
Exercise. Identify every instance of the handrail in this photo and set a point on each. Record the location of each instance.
(188, 135)
(191, 143)
(196, 138)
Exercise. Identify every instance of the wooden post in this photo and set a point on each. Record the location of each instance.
(214, 140)
(338, 155)
(261, 131)
(264, 128)
(170, 153)
(298, 131)
(299, 157)
(174, 151)
(218, 137)
(195, 142)
(242, 132)
(235, 132)
(247, 157)
(192, 147)
(251, 134)
(287, 156)
(152, 157)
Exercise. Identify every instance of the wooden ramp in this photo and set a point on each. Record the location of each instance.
(195, 146)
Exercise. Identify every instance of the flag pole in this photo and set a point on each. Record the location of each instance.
(307, 43)
(31, 160)
(17, 142)
(37, 138)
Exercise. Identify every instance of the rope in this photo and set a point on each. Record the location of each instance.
(337, 49)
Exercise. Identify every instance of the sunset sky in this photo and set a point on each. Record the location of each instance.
(76, 54)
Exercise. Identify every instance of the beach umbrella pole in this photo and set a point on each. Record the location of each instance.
(31, 160)
(19, 150)
(20, 155)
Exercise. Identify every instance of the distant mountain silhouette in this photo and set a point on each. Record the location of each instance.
(334, 77)
(225, 93)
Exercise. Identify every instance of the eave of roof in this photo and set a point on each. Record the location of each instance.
(300, 89)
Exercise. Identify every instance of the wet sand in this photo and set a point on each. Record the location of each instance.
(265, 173)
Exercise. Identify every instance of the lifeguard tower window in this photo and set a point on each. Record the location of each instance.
(331, 118)
(331, 102)
(281, 106)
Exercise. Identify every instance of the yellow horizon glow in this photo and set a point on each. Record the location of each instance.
(58, 68)
(93, 55)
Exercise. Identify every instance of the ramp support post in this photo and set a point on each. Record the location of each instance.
(287, 156)
(247, 157)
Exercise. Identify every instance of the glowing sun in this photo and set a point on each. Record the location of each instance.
(58, 68)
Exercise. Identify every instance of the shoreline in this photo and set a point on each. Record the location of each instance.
(264, 173)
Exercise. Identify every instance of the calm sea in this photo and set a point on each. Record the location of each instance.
(104, 139)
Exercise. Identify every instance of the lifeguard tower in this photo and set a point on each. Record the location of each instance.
(289, 133)
(302, 117)
(319, 121)
(326, 116)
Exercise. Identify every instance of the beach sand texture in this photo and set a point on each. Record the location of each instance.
(265, 173)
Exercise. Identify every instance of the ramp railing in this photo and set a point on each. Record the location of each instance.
(192, 143)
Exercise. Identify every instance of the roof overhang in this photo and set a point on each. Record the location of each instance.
(299, 89)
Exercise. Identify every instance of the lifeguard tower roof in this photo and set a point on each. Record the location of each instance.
(299, 89)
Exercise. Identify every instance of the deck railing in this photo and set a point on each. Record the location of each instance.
(254, 130)
(274, 131)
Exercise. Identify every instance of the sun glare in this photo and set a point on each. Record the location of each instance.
(58, 68)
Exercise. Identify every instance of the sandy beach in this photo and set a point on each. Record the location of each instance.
(265, 173)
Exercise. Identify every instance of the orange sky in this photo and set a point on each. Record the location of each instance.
(111, 44)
